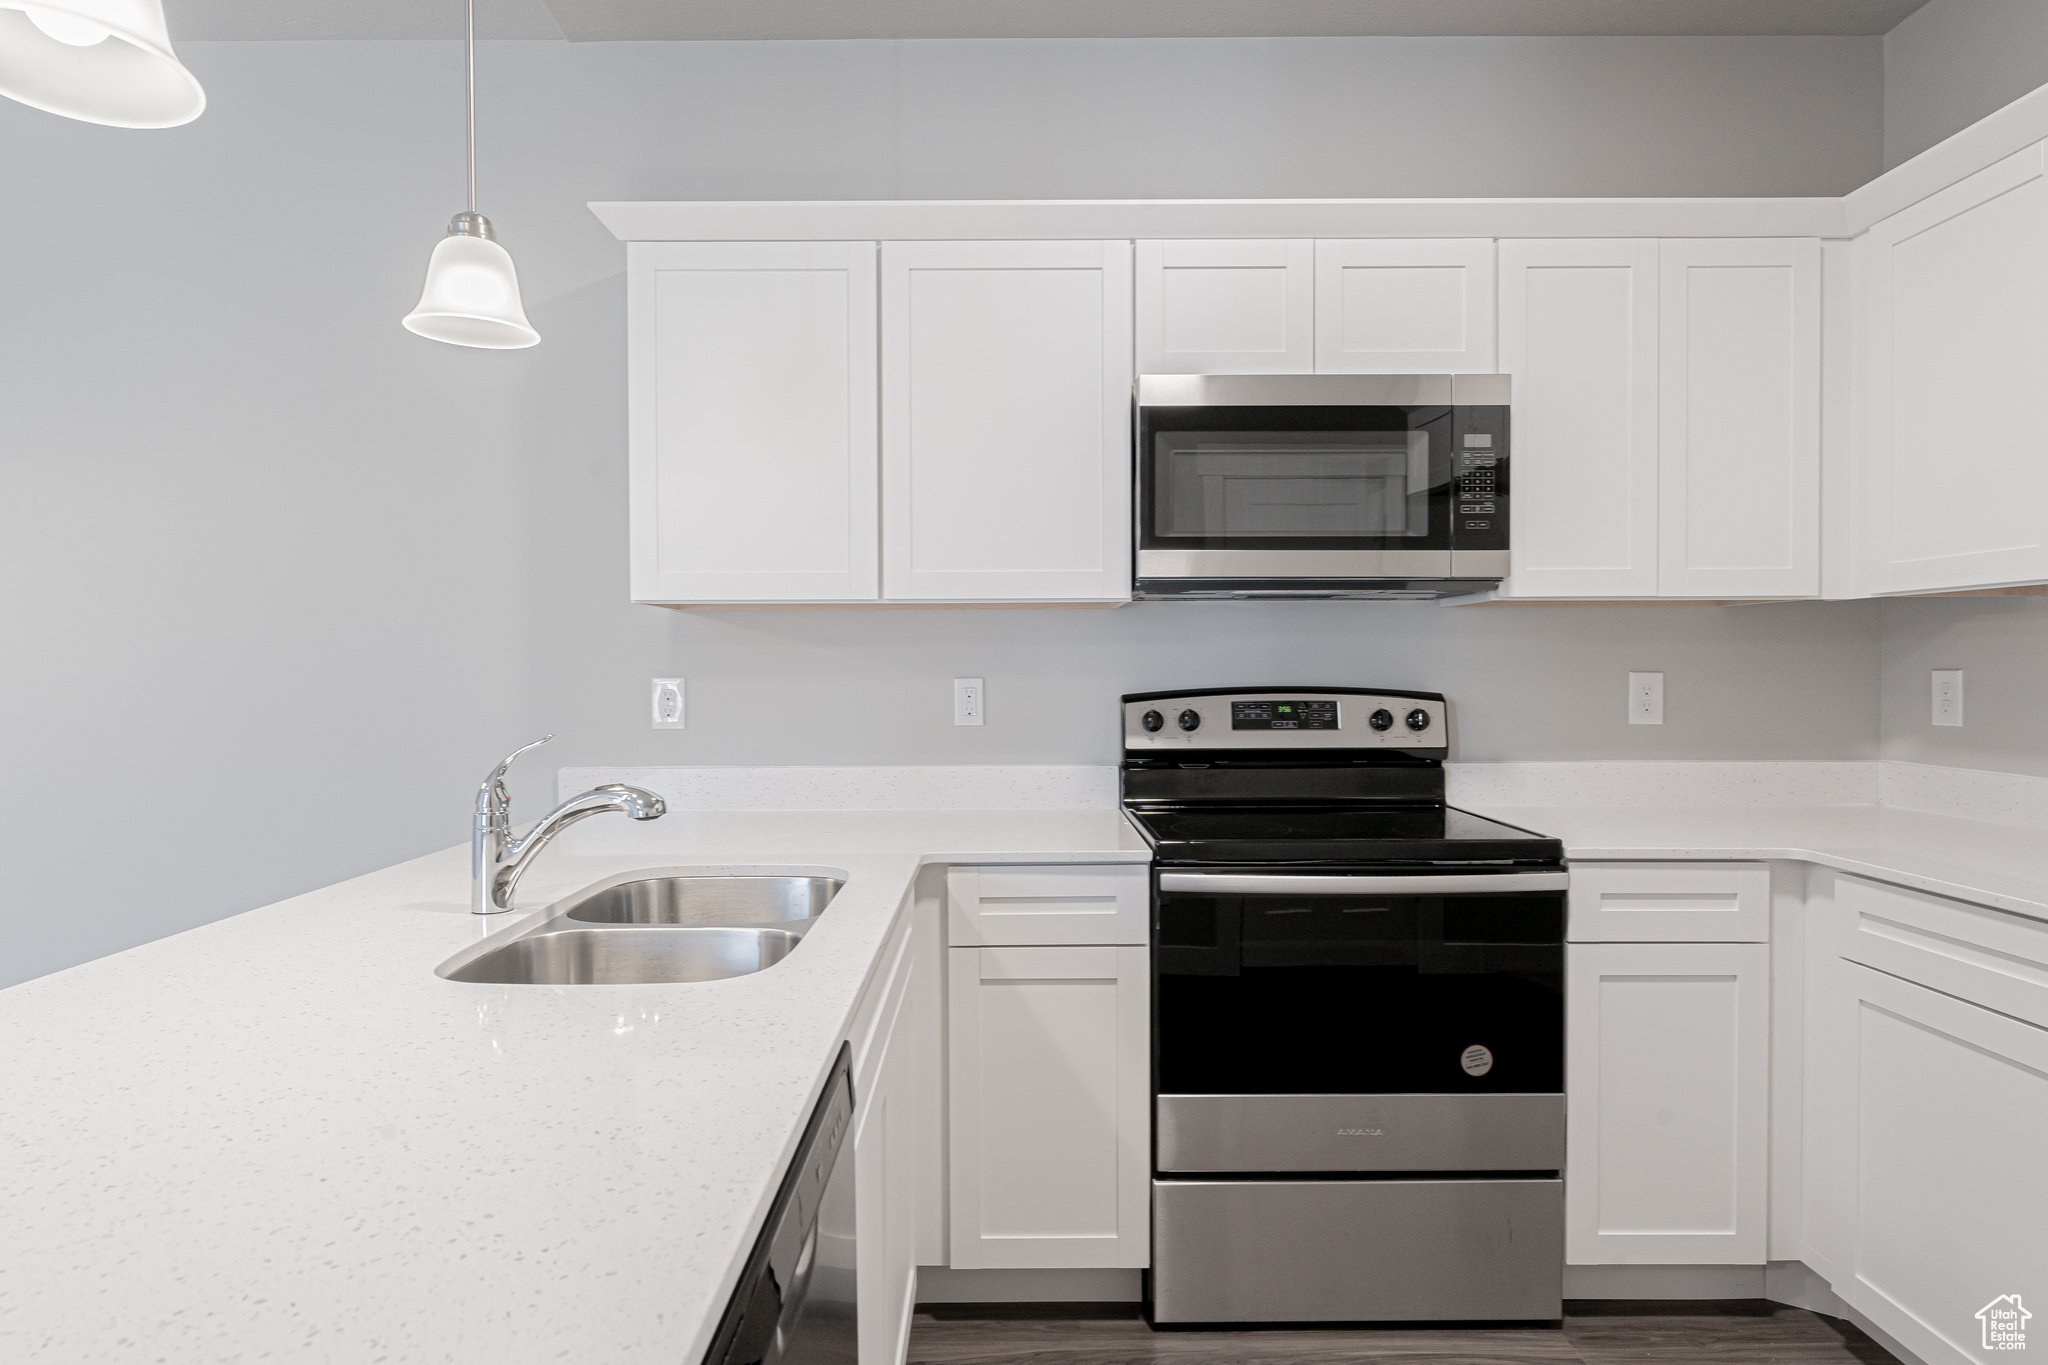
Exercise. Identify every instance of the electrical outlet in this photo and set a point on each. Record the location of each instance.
(1646, 699)
(668, 703)
(967, 701)
(1948, 696)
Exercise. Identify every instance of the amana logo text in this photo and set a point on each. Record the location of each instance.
(1361, 1132)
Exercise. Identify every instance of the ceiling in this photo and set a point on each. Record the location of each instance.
(615, 20)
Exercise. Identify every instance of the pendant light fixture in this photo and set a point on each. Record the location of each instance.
(472, 293)
(103, 61)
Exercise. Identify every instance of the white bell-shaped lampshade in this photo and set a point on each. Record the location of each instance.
(103, 61)
(472, 292)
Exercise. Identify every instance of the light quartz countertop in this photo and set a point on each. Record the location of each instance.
(282, 1137)
(2005, 866)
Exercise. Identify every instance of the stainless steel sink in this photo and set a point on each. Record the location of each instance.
(656, 930)
(559, 954)
(708, 900)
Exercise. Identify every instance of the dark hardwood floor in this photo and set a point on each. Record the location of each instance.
(1742, 1332)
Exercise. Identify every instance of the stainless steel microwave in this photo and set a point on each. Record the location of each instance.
(1321, 485)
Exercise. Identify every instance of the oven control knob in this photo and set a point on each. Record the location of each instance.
(1152, 720)
(1382, 719)
(1191, 720)
(1418, 719)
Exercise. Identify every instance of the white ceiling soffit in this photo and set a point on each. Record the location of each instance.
(616, 20)
(203, 20)
(594, 20)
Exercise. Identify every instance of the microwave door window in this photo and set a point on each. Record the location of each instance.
(1253, 485)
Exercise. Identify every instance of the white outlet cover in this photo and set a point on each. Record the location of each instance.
(667, 703)
(969, 701)
(1646, 699)
(1947, 699)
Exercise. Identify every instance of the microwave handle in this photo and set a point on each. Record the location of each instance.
(1253, 884)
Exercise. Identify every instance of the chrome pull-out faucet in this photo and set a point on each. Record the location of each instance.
(497, 860)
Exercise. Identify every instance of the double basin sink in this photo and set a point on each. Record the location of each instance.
(660, 929)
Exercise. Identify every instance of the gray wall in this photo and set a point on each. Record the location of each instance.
(2001, 644)
(1527, 681)
(284, 579)
(1952, 62)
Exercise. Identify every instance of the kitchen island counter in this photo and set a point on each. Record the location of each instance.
(282, 1136)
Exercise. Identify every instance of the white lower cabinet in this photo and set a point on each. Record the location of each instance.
(1925, 1110)
(896, 1118)
(1048, 1077)
(1951, 1105)
(1667, 1074)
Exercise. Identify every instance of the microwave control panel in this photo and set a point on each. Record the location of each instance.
(1479, 480)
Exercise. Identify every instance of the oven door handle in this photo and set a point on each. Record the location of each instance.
(1450, 883)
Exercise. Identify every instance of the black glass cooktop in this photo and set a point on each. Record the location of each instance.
(1276, 833)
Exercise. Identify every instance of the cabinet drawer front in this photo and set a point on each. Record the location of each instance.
(1071, 903)
(1670, 903)
(1989, 957)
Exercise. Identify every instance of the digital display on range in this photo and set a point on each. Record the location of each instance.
(1283, 715)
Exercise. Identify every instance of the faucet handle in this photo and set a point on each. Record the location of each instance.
(492, 793)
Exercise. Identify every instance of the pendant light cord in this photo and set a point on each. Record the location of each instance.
(470, 5)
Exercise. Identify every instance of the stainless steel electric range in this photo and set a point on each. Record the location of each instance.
(1358, 1017)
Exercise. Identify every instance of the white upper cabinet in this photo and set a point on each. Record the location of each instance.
(752, 448)
(1421, 306)
(1740, 417)
(1955, 344)
(1216, 307)
(1578, 331)
(1006, 421)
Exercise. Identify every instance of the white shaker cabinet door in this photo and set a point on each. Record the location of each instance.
(1955, 333)
(1940, 1158)
(1667, 1064)
(1739, 484)
(752, 448)
(896, 1114)
(1392, 306)
(1578, 331)
(1049, 1092)
(1006, 421)
(1219, 307)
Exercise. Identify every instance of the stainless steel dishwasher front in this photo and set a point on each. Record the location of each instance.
(797, 1301)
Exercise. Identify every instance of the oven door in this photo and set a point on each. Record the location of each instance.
(1359, 1022)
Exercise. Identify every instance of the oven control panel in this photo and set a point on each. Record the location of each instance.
(1289, 718)
(1293, 714)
